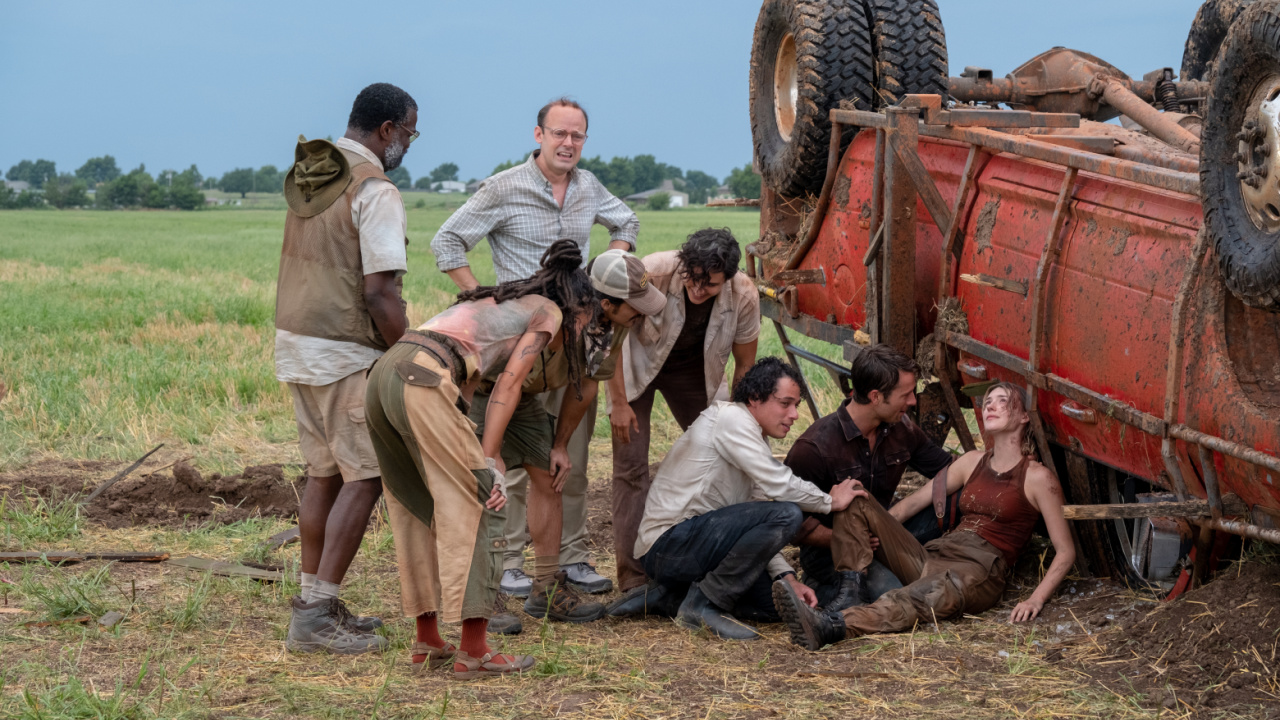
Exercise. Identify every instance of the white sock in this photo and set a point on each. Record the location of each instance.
(308, 581)
(322, 590)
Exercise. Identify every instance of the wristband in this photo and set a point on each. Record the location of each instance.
(781, 575)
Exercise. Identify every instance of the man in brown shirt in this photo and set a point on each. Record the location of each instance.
(871, 439)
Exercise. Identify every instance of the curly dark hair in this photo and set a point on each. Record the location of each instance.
(563, 102)
(562, 281)
(377, 104)
(708, 251)
(877, 368)
(761, 380)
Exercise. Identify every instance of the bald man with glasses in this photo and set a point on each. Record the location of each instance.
(522, 211)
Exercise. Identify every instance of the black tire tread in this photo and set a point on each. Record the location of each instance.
(833, 49)
(1204, 40)
(910, 49)
(1248, 258)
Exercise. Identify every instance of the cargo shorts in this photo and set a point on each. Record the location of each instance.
(332, 432)
(529, 434)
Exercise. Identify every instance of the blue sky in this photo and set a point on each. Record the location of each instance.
(232, 84)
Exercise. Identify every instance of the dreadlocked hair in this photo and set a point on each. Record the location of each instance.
(562, 281)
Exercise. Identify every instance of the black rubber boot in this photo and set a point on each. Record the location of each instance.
(810, 629)
(651, 599)
(851, 592)
(697, 611)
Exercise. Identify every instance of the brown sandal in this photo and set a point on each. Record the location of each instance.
(435, 656)
(483, 667)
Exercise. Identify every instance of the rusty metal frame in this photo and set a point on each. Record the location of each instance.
(1029, 147)
(1039, 310)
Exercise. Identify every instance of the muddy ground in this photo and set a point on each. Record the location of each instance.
(1209, 653)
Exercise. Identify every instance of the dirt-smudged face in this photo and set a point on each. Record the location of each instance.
(1001, 414)
(777, 414)
(561, 156)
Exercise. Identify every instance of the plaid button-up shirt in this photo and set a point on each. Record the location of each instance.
(518, 212)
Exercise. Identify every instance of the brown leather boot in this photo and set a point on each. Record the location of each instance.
(554, 599)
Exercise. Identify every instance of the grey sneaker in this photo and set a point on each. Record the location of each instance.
(585, 578)
(515, 583)
(325, 625)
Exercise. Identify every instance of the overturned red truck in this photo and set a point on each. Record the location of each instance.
(1128, 274)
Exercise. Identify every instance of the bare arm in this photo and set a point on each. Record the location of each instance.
(744, 356)
(621, 417)
(463, 278)
(571, 411)
(506, 393)
(1045, 494)
(382, 298)
(957, 475)
(620, 245)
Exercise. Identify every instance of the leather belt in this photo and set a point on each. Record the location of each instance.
(443, 348)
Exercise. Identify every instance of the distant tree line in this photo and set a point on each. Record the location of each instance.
(625, 176)
(111, 188)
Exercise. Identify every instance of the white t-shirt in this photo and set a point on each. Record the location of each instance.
(378, 213)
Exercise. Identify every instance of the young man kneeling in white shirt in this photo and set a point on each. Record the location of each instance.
(721, 508)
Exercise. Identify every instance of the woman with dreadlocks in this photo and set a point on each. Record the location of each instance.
(1003, 493)
(445, 484)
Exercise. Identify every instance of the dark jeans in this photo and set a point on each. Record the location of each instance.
(686, 396)
(726, 552)
(820, 570)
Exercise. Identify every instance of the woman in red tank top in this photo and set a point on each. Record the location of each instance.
(1003, 492)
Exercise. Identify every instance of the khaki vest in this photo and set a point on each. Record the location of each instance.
(320, 290)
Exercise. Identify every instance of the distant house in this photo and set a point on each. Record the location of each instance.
(722, 193)
(448, 186)
(17, 185)
(474, 186)
(678, 199)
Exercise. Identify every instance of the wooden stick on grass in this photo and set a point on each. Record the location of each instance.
(119, 476)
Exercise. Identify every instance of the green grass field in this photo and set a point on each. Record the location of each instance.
(121, 330)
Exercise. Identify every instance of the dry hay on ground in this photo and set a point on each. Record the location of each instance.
(1098, 649)
(1212, 649)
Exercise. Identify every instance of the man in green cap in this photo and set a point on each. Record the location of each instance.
(338, 308)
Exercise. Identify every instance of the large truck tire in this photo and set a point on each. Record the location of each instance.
(1208, 30)
(1240, 157)
(806, 56)
(910, 49)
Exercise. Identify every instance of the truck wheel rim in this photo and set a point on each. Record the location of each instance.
(1259, 156)
(786, 92)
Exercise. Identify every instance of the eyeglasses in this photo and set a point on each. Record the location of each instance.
(559, 135)
(413, 134)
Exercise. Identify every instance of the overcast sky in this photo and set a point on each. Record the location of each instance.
(232, 84)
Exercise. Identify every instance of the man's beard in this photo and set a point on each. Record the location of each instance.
(392, 156)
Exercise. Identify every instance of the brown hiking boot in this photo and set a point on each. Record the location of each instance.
(557, 601)
(503, 621)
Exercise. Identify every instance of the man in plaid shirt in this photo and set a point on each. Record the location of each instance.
(522, 211)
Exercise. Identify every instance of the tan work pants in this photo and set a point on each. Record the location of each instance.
(957, 573)
(447, 543)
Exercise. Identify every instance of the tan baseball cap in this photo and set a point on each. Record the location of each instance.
(619, 274)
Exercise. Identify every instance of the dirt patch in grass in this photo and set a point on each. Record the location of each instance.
(178, 496)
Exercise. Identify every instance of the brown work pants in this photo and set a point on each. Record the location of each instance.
(686, 396)
(957, 573)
